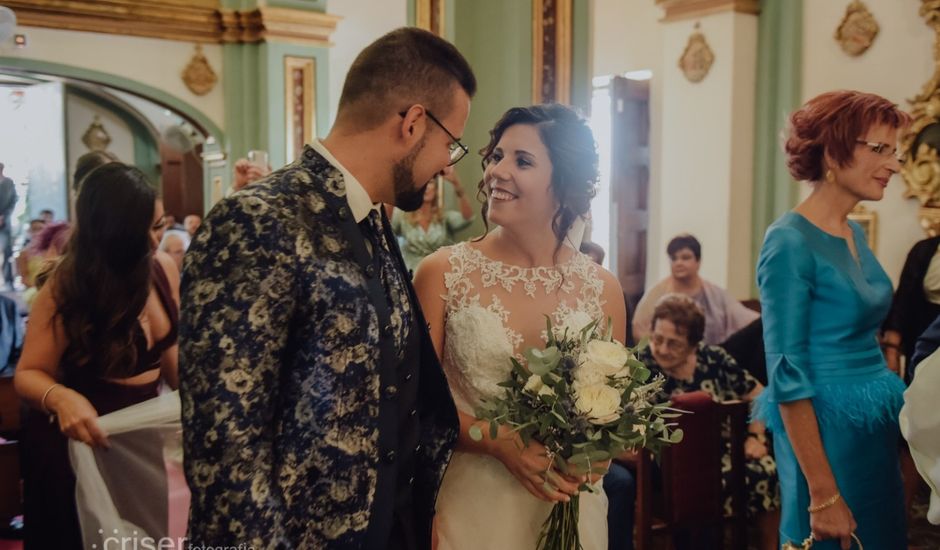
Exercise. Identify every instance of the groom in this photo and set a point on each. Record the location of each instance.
(315, 413)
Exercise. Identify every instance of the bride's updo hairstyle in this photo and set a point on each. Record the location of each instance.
(573, 153)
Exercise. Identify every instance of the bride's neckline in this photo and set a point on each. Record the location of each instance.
(524, 269)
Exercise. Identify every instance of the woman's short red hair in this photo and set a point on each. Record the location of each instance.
(831, 123)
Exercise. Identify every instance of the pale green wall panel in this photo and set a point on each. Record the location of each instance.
(779, 84)
(581, 86)
(496, 38)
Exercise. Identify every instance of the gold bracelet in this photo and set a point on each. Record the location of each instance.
(829, 502)
(42, 402)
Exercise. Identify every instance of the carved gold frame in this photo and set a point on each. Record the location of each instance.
(551, 51)
(429, 15)
(300, 104)
(921, 167)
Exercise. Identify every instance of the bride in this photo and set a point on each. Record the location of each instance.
(486, 301)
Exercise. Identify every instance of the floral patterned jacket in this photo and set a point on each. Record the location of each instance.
(279, 372)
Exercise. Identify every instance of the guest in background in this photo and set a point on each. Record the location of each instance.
(724, 315)
(831, 402)
(101, 335)
(916, 304)
(677, 352)
(430, 227)
(36, 225)
(594, 250)
(170, 222)
(175, 243)
(84, 166)
(43, 250)
(22, 259)
(192, 223)
(47, 215)
(247, 173)
(8, 200)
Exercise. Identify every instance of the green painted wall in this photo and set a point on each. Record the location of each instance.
(779, 70)
(255, 96)
(496, 38)
(581, 85)
(241, 88)
(274, 118)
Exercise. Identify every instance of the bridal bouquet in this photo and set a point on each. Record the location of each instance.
(585, 397)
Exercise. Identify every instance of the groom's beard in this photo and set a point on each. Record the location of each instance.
(408, 198)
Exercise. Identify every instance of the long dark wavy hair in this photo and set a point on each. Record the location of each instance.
(102, 281)
(573, 153)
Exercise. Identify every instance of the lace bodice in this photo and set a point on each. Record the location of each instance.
(494, 311)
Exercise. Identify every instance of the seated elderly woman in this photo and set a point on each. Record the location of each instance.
(677, 352)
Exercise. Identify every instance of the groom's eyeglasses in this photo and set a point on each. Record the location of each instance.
(457, 150)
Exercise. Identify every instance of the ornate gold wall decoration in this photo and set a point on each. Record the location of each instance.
(857, 30)
(698, 57)
(429, 15)
(551, 51)
(198, 74)
(921, 142)
(300, 103)
(96, 138)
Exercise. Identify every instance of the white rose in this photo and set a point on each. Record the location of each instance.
(534, 384)
(600, 403)
(608, 357)
(588, 374)
(574, 324)
(546, 390)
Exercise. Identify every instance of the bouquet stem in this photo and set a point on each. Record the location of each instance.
(560, 530)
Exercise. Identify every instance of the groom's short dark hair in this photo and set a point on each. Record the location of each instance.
(405, 67)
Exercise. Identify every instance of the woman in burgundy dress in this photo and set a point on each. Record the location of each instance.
(101, 336)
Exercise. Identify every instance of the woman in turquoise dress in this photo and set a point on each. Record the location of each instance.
(430, 227)
(831, 402)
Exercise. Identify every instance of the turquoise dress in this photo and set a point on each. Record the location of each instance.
(821, 311)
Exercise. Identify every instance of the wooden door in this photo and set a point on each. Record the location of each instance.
(629, 183)
(181, 176)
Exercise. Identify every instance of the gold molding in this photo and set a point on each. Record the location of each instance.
(302, 109)
(289, 25)
(556, 64)
(690, 9)
(429, 15)
(201, 21)
(919, 144)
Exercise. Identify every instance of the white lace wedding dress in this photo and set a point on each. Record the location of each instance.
(495, 311)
